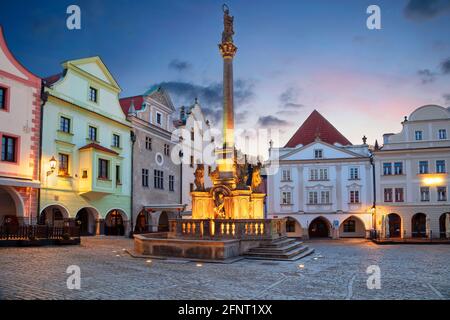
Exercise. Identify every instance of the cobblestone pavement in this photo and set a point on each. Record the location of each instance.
(337, 270)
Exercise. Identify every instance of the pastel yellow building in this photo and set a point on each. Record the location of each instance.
(86, 151)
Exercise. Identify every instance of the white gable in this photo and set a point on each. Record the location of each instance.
(308, 152)
(8, 66)
(94, 69)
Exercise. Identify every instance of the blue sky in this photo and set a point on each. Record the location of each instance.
(293, 56)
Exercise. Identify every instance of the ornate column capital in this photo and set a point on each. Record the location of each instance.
(227, 50)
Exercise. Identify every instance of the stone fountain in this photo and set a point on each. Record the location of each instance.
(227, 219)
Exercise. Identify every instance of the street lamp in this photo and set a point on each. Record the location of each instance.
(52, 166)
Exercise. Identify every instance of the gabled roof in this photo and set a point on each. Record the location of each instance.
(98, 61)
(125, 103)
(317, 127)
(157, 93)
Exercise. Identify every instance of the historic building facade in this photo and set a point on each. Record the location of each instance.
(323, 184)
(86, 151)
(19, 140)
(412, 177)
(193, 130)
(156, 178)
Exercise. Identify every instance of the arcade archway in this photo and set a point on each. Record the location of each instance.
(395, 225)
(419, 225)
(115, 223)
(11, 208)
(443, 225)
(86, 218)
(319, 228)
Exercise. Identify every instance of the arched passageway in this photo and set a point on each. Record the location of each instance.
(86, 219)
(319, 228)
(115, 223)
(395, 225)
(419, 225)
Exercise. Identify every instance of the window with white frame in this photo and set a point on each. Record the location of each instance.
(313, 174)
(354, 196)
(323, 174)
(424, 194)
(387, 168)
(324, 197)
(442, 193)
(398, 168)
(313, 197)
(318, 153)
(440, 166)
(354, 173)
(286, 197)
(286, 175)
(423, 167)
(399, 195)
(388, 195)
(418, 135)
(442, 134)
(318, 174)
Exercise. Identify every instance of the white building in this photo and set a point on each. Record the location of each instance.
(412, 179)
(324, 183)
(194, 130)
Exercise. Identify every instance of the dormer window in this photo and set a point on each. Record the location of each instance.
(93, 94)
(159, 118)
(442, 134)
(318, 154)
(418, 135)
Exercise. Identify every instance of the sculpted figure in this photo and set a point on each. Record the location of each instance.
(256, 177)
(214, 175)
(228, 31)
(199, 178)
(219, 202)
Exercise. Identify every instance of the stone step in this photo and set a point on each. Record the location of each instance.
(290, 255)
(287, 249)
(278, 243)
(275, 250)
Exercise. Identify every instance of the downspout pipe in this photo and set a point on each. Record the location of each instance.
(133, 140)
(374, 204)
(44, 99)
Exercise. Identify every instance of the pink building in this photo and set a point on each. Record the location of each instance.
(20, 118)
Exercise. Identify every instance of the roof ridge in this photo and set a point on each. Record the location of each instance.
(317, 126)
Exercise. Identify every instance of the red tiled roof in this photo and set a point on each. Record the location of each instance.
(98, 147)
(316, 126)
(125, 103)
(52, 79)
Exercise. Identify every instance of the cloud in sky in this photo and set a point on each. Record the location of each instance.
(210, 97)
(426, 75)
(426, 9)
(272, 122)
(445, 66)
(179, 65)
(446, 97)
(289, 98)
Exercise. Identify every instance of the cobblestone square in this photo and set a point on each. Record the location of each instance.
(337, 270)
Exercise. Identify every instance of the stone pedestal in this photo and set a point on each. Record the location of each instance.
(238, 204)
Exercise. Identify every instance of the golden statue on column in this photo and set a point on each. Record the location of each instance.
(232, 195)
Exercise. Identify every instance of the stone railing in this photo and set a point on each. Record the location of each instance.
(252, 229)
